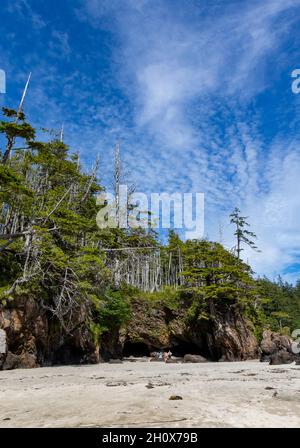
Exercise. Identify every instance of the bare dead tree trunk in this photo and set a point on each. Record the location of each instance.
(117, 178)
(11, 140)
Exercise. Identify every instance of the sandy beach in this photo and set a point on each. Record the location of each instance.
(136, 394)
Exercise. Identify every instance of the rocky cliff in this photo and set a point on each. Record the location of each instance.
(223, 337)
(31, 337)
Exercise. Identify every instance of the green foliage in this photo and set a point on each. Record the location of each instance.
(242, 234)
(114, 311)
(215, 273)
(280, 302)
(49, 204)
(12, 130)
(16, 128)
(168, 297)
(174, 241)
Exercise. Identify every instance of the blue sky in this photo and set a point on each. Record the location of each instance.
(197, 92)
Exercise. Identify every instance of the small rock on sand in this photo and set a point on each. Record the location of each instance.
(194, 358)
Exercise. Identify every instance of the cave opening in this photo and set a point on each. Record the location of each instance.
(180, 348)
(67, 355)
(136, 349)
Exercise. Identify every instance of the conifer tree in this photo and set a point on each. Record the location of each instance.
(242, 234)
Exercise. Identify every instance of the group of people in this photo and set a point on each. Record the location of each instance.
(162, 355)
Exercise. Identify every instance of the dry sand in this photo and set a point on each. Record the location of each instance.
(136, 394)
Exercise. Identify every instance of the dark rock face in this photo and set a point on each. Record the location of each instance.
(226, 337)
(26, 334)
(11, 361)
(282, 357)
(31, 340)
(3, 347)
(111, 347)
(231, 338)
(272, 343)
(276, 348)
(194, 358)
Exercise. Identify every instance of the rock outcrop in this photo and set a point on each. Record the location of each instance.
(272, 342)
(278, 349)
(33, 338)
(282, 357)
(224, 337)
(194, 358)
(231, 337)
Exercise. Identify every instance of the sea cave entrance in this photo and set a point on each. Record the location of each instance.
(177, 347)
(181, 348)
(136, 349)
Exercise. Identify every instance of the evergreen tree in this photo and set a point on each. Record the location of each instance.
(212, 275)
(242, 234)
(280, 302)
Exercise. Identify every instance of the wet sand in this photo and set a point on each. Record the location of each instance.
(136, 394)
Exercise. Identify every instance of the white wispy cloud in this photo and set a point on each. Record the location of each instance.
(59, 44)
(179, 75)
(25, 10)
